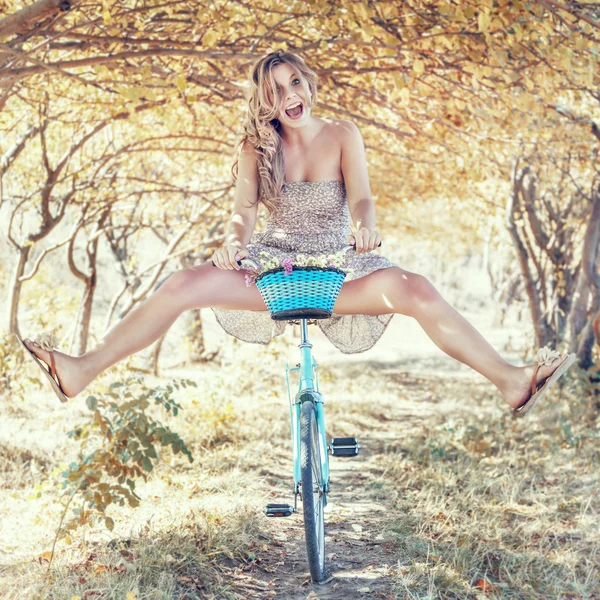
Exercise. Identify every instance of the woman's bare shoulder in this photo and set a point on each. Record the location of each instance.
(338, 129)
(248, 148)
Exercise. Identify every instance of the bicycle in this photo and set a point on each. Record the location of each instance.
(306, 294)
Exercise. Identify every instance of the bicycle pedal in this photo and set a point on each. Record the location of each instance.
(344, 447)
(279, 510)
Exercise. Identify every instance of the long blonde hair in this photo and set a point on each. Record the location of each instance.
(262, 127)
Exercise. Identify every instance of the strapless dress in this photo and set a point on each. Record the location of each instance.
(312, 219)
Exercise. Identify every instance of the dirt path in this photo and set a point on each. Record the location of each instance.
(360, 562)
(358, 559)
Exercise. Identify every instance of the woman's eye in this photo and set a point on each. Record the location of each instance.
(295, 81)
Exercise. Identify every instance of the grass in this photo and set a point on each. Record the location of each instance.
(476, 504)
(501, 507)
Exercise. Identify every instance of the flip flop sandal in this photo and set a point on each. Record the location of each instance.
(47, 342)
(545, 356)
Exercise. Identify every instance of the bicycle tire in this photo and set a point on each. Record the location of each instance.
(313, 500)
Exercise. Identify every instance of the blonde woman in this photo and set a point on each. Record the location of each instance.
(311, 175)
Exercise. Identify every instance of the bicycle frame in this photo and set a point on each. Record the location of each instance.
(308, 391)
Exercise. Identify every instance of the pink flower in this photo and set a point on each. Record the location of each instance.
(287, 266)
(251, 275)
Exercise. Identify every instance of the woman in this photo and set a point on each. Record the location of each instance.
(311, 174)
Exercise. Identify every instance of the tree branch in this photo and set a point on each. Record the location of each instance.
(25, 19)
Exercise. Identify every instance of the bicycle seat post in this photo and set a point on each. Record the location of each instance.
(304, 334)
(306, 362)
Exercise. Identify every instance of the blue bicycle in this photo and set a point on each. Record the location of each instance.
(307, 293)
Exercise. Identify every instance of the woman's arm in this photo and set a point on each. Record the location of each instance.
(356, 178)
(243, 217)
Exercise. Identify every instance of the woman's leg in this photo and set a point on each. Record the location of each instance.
(395, 290)
(197, 287)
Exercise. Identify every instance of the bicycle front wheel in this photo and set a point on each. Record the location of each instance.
(313, 493)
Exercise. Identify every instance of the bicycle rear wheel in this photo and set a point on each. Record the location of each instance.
(313, 498)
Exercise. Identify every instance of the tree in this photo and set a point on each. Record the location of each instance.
(446, 95)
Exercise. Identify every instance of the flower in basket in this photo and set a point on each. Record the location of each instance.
(268, 263)
(287, 266)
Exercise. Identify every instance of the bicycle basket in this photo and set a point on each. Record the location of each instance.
(306, 293)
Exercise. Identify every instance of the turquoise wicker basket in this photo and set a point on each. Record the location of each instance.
(306, 293)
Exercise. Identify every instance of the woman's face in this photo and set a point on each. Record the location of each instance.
(294, 94)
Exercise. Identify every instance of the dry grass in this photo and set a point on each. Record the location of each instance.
(478, 505)
(502, 506)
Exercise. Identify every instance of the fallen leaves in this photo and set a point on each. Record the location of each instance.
(44, 557)
(485, 586)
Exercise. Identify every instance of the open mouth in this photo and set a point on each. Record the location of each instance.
(295, 111)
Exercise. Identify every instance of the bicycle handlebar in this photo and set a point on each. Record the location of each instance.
(245, 262)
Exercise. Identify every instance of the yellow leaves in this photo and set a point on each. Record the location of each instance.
(359, 10)
(419, 67)
(589, 74)
(398, 79)
(447, 41)
(146, 72)
(529, 84)
(547, 27)
(581, 43)
(130, 596)
(368, 31)
(518, 31)
(483, 20)
(459, 16)
(181, 82)
(106, 16)
(510, 76)
(210, 38)
(131, 92)
(471, 68)
(565, 55)
(44, 557)
(405, 95)
(500, 56)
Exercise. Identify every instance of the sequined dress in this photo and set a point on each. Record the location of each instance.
(313, 218)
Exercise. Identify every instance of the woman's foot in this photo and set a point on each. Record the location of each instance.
(519, 389)
(69, 373)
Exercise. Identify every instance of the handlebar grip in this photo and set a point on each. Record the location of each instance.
(378, 245)
(239, 262)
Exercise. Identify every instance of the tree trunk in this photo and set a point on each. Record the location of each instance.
(89, 279)
(579, 311)
(82, 326)
(195, 337)
(155, 355)
(513, 210)
(15, 290)
(589, 267)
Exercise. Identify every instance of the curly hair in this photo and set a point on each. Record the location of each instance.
(262, 128)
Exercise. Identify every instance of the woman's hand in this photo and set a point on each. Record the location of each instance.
(227, 257)
(365, 240)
